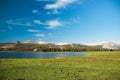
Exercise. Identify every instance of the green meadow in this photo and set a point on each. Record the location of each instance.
(95, 66)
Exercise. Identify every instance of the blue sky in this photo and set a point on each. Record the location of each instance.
(72, 21)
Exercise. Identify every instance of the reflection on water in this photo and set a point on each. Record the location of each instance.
(37, 54)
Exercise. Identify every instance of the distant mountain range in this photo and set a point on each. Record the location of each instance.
(61, 46)
(111, 45)
(107, 45)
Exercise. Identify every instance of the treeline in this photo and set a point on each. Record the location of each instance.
(49, 47)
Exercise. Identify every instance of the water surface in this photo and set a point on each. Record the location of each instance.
(38, 54)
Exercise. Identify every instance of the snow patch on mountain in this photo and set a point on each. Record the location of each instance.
(111, 45)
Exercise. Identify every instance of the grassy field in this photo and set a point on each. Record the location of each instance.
(96, 66)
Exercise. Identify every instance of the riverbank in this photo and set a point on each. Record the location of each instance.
(96, 66)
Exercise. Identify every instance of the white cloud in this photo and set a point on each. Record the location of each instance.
(38, 22)
(59, 4)
(36, 11)
(53, 24)
(40, 35)
(50, 24)
(31, 30)
(11, 22)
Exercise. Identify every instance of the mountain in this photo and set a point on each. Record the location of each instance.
(62, 43)
(111, 45)
(61, 46)
(106, 45)
(47, 47)
(36, 42)
(30, 42)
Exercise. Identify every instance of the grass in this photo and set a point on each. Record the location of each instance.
(96, 66)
